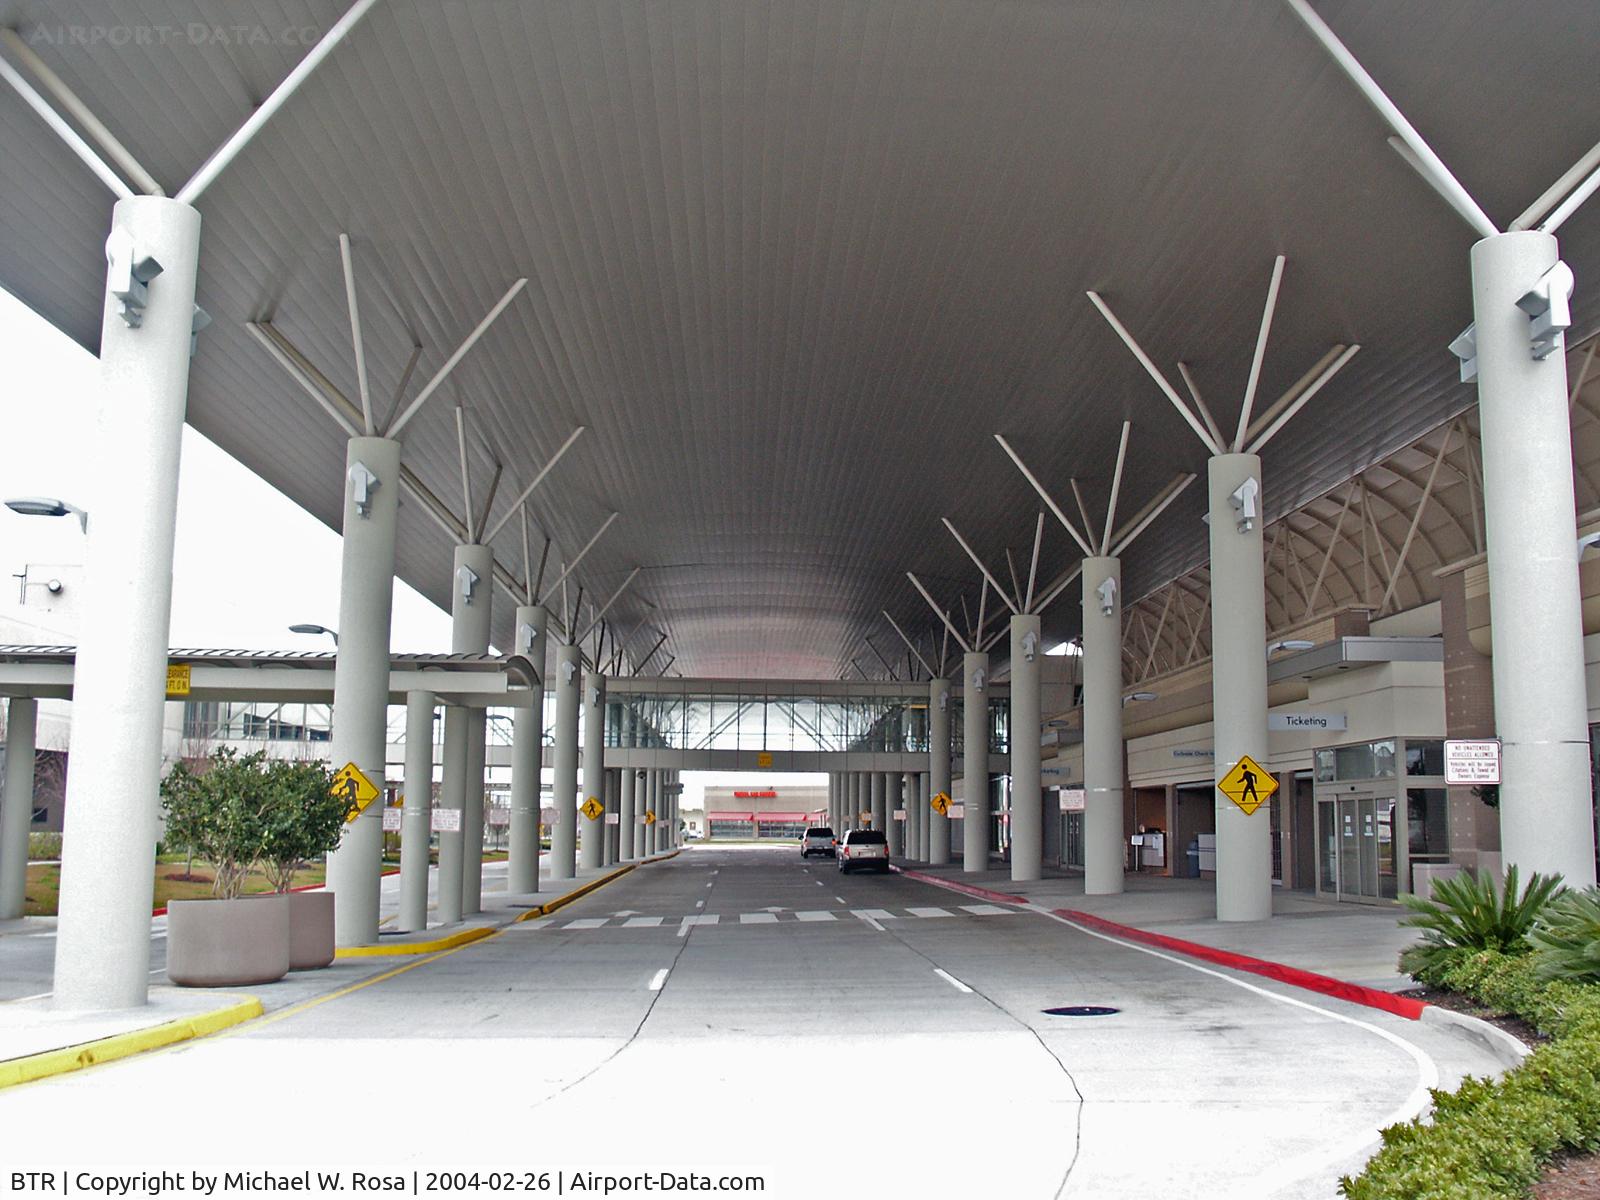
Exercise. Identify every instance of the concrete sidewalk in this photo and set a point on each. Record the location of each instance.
(1356, 943)
(29, 1027)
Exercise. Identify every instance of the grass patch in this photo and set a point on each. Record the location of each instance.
(43, 887)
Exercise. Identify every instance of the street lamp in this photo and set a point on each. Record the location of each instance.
(45, 506)
(315, 629)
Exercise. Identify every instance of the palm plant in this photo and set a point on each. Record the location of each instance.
(1566, 941)
(1469, 912)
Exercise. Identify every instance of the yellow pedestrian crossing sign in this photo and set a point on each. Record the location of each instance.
(355, 787)
(592, 808)
(940, 803)
(649, 817)
(1248, 785)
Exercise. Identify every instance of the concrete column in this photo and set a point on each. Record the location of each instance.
(361, 675)
(472, 811)
(613, 802)
(416, 819)
(16, 804)
(880, 807)
(1540, 698)
(527, 754)
(564, 781)
(938, 770)
(908, 799)
(113, 789)
(975, 768)
(893, 830)
(1027, 812)
(592, 843)
(1102, 726)
(652, 831)
(454, 768)
(1238, 686)
(924, 830)
(630, 812)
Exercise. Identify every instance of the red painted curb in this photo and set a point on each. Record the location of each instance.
(1355, 993)
(304, 887)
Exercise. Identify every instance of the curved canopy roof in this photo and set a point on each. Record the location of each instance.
(794, 263)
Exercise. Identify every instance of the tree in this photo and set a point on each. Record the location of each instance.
(221, 814)
(304, 818)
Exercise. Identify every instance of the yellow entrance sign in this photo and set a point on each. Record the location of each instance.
(649, 817)
(764, 759)
(940, 803)
(177, 679)
(355, 787)
(1248, 785)
(592, 808)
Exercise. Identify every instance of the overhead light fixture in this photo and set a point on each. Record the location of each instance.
(1586, 541)
(1290, 644)
(1140, 697)
(315, 630)
(45, 506)
(1107, 591)
(1245, 500)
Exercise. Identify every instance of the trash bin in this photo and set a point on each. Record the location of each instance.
(1191, 869)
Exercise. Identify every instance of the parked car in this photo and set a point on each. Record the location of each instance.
(818, 839)
(866, 848)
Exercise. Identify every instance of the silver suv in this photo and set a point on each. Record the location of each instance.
(818, 839)
(864, 848)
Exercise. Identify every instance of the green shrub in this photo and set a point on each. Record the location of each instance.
(1469, 912)
(1493, 1138)
(1566, 941)
(218, 811)
(44, 846)
(304, 818)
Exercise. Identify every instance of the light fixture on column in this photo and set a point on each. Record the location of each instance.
(362, 483)
(45, 506)
(1107, 591)
(315, 630)
(468, 579)
(1587, 541)
(1291, 644)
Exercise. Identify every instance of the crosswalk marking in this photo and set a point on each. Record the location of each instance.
(870, 916)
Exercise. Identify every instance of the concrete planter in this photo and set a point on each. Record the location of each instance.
(228, 943)
(310, 930)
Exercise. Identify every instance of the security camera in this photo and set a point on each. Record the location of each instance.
(1246, 502)
(1107, 591)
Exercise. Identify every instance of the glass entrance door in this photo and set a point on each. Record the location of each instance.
(1356, 832)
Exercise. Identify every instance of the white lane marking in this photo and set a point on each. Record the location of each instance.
(951, 980)
(986, 910)
(841, 900)
(708, 885)
(929, 912)
(821, 915)
(870, 921)
(818, 882)
(758, 918)
(659, 978)
(714, 872)
(1313, 1162)
(642, 922)
(688, 922)
(699, 903)
(586, 923)
(879, 914)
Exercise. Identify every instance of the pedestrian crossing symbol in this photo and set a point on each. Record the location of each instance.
(1248, 785)
(940, 803)
(355, 788)
(592, 808)
(649, 817)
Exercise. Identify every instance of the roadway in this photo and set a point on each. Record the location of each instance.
(738, 1009)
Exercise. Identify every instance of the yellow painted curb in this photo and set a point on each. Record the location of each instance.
(544, 910)
(462, 938)
(122, 1045)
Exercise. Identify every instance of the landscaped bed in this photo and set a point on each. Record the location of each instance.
(1533, 957)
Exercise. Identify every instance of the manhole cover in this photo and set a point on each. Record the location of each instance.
(1081, 1010)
